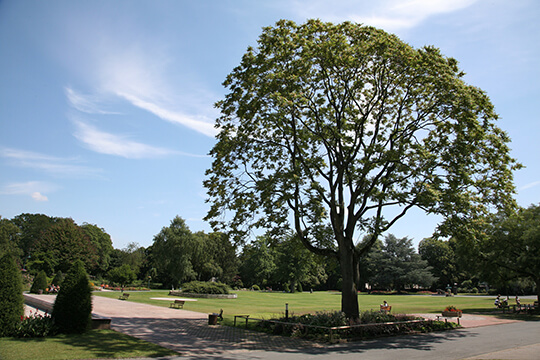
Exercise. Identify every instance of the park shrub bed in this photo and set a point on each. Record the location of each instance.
(201, 287)
(332, 326)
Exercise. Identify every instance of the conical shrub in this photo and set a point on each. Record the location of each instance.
(72, 310)
(40, 283)
(11, 297)
(58, 278)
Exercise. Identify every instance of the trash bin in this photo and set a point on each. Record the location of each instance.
(212, 319)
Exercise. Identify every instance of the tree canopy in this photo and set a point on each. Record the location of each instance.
(346, 126)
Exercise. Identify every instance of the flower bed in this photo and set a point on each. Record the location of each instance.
(451, 311)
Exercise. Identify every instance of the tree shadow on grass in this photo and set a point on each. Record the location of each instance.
(110, 344)
(100, 344)
(196, 338)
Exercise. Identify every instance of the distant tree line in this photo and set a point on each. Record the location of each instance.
(506, 258)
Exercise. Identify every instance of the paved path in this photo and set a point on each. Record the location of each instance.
(188, 333)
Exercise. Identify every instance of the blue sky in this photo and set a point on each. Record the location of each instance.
(106, 107)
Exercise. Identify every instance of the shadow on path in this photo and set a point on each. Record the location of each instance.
(195, 338)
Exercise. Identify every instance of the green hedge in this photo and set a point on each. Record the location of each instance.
(200, 287)
(11, 298)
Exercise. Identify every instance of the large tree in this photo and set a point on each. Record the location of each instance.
(64, 242)
(346, 125)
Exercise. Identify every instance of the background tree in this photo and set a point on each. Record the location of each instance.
(31, 227)
(64, 242)
(9, 239)
(172, 253)
(512, 248)
(11, 297)
(399, 266)
(215, 258)
(103, 245)
(258, 263)
(441, 258)
(122, 275)
(133, 255)
(72, 310)
(296, 265)
(347, 126)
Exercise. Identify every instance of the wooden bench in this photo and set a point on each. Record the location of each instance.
(124, 296)
(449, 315)
(178, 304)
(386, 309)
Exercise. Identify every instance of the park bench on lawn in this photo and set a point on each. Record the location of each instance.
(386, 309)
(124, 296)
(178, 304)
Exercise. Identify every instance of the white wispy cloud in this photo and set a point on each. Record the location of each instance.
(53, 165)
(530, 185)
(142, 74)
(111, 144)
(90, 104)
(34, 189)
(202, 126)
(391, 15)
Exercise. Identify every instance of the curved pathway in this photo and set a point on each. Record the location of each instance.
(189, 334)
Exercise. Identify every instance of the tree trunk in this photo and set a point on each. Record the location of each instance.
(349, 293)
(537, 281)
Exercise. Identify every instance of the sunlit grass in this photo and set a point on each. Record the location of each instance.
(268, 304)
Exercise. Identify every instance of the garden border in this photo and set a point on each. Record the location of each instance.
(338, 328)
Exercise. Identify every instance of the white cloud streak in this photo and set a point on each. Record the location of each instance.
(530, 185)
(202, 126)
(111, 144)
(390, 15)
(50, 164)
(86, 103)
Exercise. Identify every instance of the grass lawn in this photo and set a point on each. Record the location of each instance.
(266, 304)
(92, 345)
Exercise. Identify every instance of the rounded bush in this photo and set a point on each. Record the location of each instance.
(40, 283)
(11, 298)
(72, 310)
